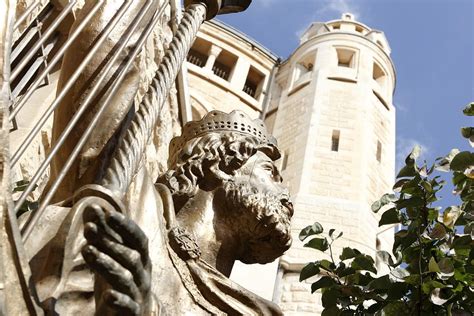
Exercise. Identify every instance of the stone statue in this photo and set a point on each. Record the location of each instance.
(171, 249)
(124, 245)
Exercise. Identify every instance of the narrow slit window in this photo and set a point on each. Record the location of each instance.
(335, 140)
(284, 161)
(379, 151)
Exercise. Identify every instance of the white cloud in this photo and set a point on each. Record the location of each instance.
(266, 3)
(405, 146)
(326, 10)
(337, 7)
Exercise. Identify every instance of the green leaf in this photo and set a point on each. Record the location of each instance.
(462, 245)
(363, 262)
(382, 283)
(326, 265)
(331, 311)
(397, 290)
(430, 285)
(331, 231)
(450, 216)
(438, 232)
(469, 109)
(376, 206)
(314, 229)
(385, 257)
(345, 272)
(311, 269)
(323, 282)
(433, 214)
(399, 184)
(395, 309)
(413, 156)
(399, 273)
(329, 297)
(348, 253)
(413, 279)
(318, 243)
(407, 171)
(467, 132)
(414, 201)
(433, 266)
(384, 200)
(389, 217)
(462, 161)
(437, 298)
(446, 268)
(374, 308)
(443, 164)
(427, 186)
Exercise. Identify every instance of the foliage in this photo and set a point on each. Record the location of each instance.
(432, 267)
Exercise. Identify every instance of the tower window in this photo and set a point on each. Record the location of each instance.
(379, 151)
(379, 75)
(224, 65)
(359, 29)
(196, 58)
(304, 67)
(284, 161)
(198, 54)
(335, 140)
(345, 58)
(253, 84)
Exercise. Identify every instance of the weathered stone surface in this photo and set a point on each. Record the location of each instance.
(227, 206)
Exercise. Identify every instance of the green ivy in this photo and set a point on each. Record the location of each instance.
(432, 260)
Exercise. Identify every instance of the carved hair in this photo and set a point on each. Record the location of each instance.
(214, 156)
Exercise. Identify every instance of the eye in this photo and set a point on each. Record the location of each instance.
(269, 168)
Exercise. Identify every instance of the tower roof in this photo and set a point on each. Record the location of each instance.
(346, 24)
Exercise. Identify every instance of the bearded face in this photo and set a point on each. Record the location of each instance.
(262, 209)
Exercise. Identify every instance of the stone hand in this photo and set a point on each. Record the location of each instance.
(117, 251)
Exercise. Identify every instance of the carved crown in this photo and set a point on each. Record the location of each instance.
(217, 121)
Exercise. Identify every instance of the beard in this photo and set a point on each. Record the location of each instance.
(263, 221)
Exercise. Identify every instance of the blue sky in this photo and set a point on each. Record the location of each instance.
(432, 45)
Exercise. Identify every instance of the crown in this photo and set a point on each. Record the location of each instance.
(217, 121)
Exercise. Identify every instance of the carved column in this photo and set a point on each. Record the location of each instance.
(214, 52)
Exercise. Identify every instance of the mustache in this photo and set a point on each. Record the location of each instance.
(245, 194)
(270, 208)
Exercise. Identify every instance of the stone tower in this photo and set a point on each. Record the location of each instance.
(333, 116)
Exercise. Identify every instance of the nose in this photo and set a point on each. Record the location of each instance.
(285, 200)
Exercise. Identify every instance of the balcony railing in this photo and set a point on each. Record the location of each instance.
(250, 89)
(196, 58)
(221, 70)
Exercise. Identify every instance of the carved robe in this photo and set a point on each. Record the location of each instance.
(181, 282)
